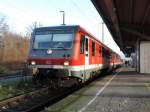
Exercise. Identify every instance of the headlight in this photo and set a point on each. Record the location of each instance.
(33, 63)
(66, 63)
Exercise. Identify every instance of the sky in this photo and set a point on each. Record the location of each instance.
(20, 14)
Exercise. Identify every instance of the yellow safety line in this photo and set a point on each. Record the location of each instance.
(147, 86)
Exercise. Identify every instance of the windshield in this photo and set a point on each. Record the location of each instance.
(46, 41)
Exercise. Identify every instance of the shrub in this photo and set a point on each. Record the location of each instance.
(3, 69)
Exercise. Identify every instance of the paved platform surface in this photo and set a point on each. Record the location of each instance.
(123, 91)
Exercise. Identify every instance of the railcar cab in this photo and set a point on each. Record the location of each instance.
(66, 52)
(51, 50)
(51, 42)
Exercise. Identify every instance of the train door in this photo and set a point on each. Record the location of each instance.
(86, 59)
(105, 55)
(86, 51)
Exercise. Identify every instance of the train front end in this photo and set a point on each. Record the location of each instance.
(50, 53)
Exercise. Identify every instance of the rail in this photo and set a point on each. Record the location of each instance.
(11, 102)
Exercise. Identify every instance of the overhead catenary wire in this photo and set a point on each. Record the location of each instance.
(94, 26)
(82, 12)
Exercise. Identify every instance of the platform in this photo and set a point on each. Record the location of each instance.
(123, 91)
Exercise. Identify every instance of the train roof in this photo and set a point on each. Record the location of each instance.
(72, 27)
(60, 27)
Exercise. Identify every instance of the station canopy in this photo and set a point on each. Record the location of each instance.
(127, 20)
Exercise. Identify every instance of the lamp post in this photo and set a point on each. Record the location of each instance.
(102, 31)
(63, 17)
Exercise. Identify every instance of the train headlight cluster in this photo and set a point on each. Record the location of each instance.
(66, 63)
(33, 63)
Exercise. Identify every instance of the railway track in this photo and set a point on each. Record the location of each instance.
(35, 101)
(41, 100)
(13, 75)
(14, 101)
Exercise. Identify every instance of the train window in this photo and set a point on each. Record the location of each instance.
(110, 55)
(106, 53)
(62, 37)
(82, 44)
(93, 48)
(103, 51)
(54, 41)
(42, 41)
(86, 42)
(62, 40)
(100, 50)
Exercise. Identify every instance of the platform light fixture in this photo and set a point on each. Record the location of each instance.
(128, 47)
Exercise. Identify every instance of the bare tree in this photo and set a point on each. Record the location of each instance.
(32, 27)
(3, 25)
(3, 30)
(13, 46)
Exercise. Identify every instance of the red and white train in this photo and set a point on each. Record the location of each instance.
(68, 53)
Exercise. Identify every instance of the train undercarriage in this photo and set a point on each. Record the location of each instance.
(55, 78)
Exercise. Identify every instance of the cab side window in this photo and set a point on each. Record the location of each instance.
(100, 51)
(103, 52)
(86, 42)
(82, 39)
(93, 48)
